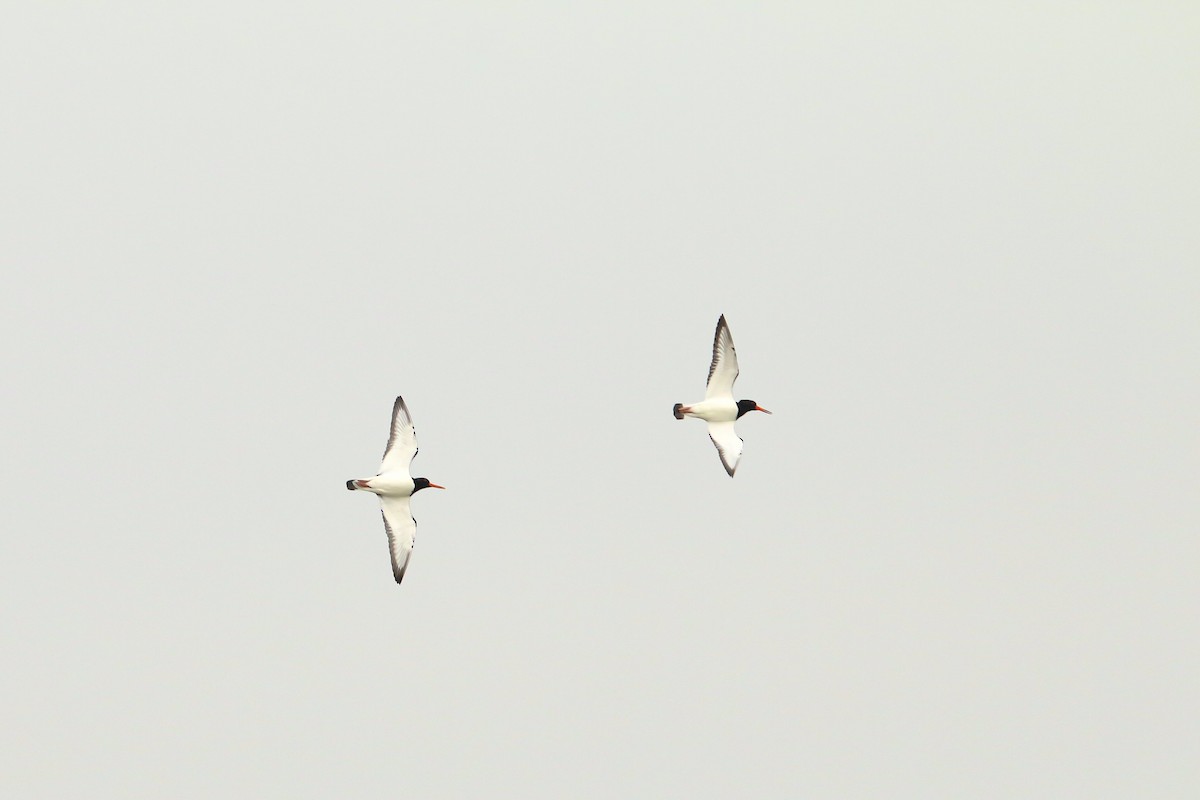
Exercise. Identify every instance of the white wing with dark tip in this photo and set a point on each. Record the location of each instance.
(724, 369)
(729, 444)
(402, 443)
(401, 532)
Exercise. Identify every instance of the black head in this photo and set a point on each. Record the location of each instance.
(746, 406)
(423, 483)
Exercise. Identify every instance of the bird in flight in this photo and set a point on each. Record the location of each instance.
(395, 486)
(718, 408)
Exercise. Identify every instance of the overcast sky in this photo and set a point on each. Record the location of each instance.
(958, 250)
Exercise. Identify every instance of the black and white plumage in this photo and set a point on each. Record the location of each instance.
(396, 487)
(718, 407)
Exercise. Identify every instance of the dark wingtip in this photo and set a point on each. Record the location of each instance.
(350, 485)
(678, 414)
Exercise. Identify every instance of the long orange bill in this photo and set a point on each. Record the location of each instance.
(435, 486)
(760, 408)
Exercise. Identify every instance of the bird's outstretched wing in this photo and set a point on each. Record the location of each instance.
(401, 532)
(729, 444)
(724, 369)
(402, 444)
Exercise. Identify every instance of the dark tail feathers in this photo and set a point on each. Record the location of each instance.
(350, 485)
(677, 412)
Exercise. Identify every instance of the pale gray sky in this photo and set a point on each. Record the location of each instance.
(958, 249)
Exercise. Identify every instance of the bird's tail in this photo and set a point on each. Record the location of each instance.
(350, 485)
(677, 412)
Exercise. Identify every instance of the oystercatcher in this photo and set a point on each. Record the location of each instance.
(395, 486)
(718, 408)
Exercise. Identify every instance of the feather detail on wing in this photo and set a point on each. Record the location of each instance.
(724, 368)
(401, 532)
(728, 443)
(402, 443)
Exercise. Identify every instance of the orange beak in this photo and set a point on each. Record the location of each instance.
(435, 486)
(760, 408)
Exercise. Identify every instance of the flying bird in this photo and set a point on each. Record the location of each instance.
(395, 486)
(718, 408)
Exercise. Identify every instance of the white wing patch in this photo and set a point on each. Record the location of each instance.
(724, 368)
(729, 445)
(401, 532)
(402, 443)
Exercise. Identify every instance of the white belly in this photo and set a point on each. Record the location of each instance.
(716, 410)
(393, 484)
